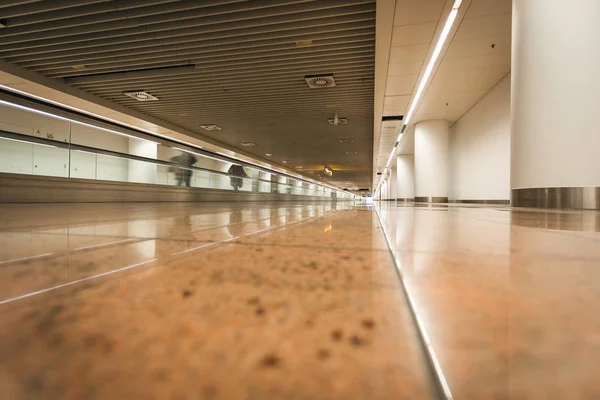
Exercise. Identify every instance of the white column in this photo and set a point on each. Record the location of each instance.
(405, 164)
(431, 161)
(555, 105)
(393, 178)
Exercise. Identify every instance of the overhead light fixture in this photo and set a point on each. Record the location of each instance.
(140, 95)
(284, 161)
(345, 141)
(248, 144)
(270, 154)
(434, 56)
(328, 171)
(320, 81)
(299, 167)
(211, 127)
(428, 70)
(78, 67)
(351, 152)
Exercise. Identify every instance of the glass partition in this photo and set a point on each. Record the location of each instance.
(36, 143)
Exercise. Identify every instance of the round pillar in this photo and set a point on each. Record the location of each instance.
(393, 178)
(405, 183)
(555, 104)
(431, 161)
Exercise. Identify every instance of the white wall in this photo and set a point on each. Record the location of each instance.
(480, 148)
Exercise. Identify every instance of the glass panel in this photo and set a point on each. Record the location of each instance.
(50, 161)
(16, 157)
(111, 168)
(83, 164)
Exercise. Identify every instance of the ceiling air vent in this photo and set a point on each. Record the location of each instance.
(211, 127)
(140, 95)
(337, 120)
(320, 81)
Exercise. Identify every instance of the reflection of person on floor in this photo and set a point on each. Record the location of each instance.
(236, 171)
(234, 227)
(183, 176)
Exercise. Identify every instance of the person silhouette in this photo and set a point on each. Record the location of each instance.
(236, 173)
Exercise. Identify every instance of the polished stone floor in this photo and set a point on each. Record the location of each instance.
(297, 301)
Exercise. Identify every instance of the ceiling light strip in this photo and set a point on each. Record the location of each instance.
(432, 61)
(434, 57)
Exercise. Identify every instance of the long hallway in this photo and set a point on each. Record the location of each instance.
(296, 301)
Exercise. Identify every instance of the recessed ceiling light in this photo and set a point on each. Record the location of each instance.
(299, 167)
(248, 144)
(320, 81)
(211, 127)
(270, 154)
(345, 141)
(78, 67)
(352, 152)
(284, 161)
(182, 114)
(140, 95)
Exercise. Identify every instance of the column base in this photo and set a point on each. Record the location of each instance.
(431, 199)
(576, 198)
(499, 202)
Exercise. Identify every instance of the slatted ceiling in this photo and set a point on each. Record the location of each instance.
(231, 63)
(214, 13)
(187, 82)
(235, 30)
(267, 42)
(358, 45)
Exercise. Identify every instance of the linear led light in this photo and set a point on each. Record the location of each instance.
(434, 56)
(25, 141)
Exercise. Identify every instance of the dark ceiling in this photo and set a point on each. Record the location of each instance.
(237, 64)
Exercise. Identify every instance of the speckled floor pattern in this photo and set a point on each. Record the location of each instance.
(297, 301)
(203, 301)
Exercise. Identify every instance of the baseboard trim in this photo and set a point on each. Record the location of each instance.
(498, 202)
(431, 199)
(16, 188)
